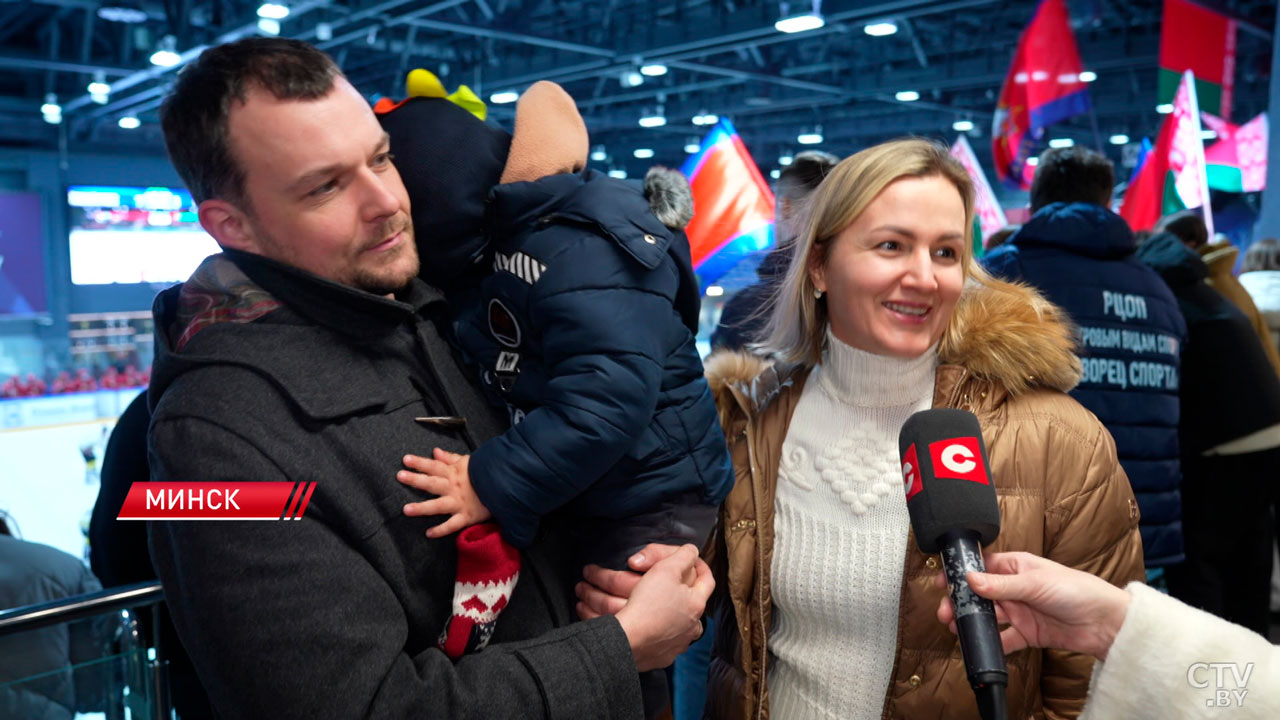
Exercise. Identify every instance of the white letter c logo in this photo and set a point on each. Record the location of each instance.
(965, 465)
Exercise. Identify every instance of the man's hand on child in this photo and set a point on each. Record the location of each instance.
(444, 475)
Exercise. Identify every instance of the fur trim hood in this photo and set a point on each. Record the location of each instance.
(1002, 332)
(670, 196)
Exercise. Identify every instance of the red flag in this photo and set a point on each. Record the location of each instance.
(732, 204)
(1043, 87)
(1197, 39)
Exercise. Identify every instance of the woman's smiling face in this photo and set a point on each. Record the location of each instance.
(892, 277)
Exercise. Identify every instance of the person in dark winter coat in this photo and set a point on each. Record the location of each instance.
(118, 550)
(37, 677)
(1081, 256)
(743, 318)
(585, 331)
(308, 350)
(1230, 439)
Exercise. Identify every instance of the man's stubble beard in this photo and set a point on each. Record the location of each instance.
(390, 278)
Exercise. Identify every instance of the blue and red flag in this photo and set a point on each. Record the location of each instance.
(732, 204)
(1043, 87)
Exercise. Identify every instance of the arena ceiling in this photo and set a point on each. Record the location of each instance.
(722, 57)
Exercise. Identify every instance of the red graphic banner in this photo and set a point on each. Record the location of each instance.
(217, 501)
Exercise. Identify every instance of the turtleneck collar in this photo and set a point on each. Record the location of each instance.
(862, 379)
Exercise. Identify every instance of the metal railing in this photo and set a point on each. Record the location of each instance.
(116, 599)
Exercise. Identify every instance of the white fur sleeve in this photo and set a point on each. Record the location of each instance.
(1173, 662)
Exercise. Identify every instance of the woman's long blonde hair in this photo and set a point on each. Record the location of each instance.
(797, 326)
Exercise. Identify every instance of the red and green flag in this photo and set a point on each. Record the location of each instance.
(1238, 160)
(987, 213)
(1173, 176)
(1195, 38)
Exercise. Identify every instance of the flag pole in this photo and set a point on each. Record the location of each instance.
(1190, 78)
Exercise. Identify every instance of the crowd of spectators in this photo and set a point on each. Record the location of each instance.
(82, 380)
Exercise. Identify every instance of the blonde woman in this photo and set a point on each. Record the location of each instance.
(827, 603)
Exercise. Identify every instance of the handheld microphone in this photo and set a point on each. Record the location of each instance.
(954, 512)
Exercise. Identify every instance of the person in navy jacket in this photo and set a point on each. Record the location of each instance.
(1082, 256)
(584, 329)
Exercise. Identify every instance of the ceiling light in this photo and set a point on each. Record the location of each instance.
(99, 98)
(51, 106)
(51, 110)
(129, 122)
(1164, 109)
(692, 146)
(1068, 79)
(1208, 135)
(643, 153)
(1039, 76)
(273, 11)
(598, 154)
(775, 173)
(99, 85)
(503, 97)
(620, 174)
(800, 23)
(1119, 139)
(785, 159)
(324, 32)
(705, 119)
(652, 121)
(880, 29)
(714, 291)
(1033, 161)
(129, 15)
(1088, 76)
(962, 125)
(907, 95)
(1061, 143)
(630, 79)
(810, 138)
(269, 26)
(166, 54)
(653, 70)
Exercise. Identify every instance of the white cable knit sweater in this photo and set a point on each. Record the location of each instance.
(841, 534)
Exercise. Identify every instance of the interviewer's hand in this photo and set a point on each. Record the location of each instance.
(1047, 605)
(660, 611)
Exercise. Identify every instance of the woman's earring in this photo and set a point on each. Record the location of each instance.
(817, 294)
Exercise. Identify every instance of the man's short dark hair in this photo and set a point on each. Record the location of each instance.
(194, 115)
(1074, 174)
(804, 174)
(1188, 226)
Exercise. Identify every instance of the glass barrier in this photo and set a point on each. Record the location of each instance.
(83, 657)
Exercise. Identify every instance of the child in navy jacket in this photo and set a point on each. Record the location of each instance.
(583, 327)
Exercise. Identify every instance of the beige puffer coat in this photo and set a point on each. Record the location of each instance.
(1061, 491)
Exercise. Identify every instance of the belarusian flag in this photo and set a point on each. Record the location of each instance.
(1204, 42)
(1238, 161)
(985, 206)
(1173, 176)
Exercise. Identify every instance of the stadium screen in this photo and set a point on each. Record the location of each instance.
(134, 235)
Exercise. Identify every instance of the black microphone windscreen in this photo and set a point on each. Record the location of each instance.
(946, 477)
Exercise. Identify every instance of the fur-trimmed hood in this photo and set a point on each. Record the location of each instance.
(1005, 333)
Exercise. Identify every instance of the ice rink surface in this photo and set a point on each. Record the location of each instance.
(46, 485)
